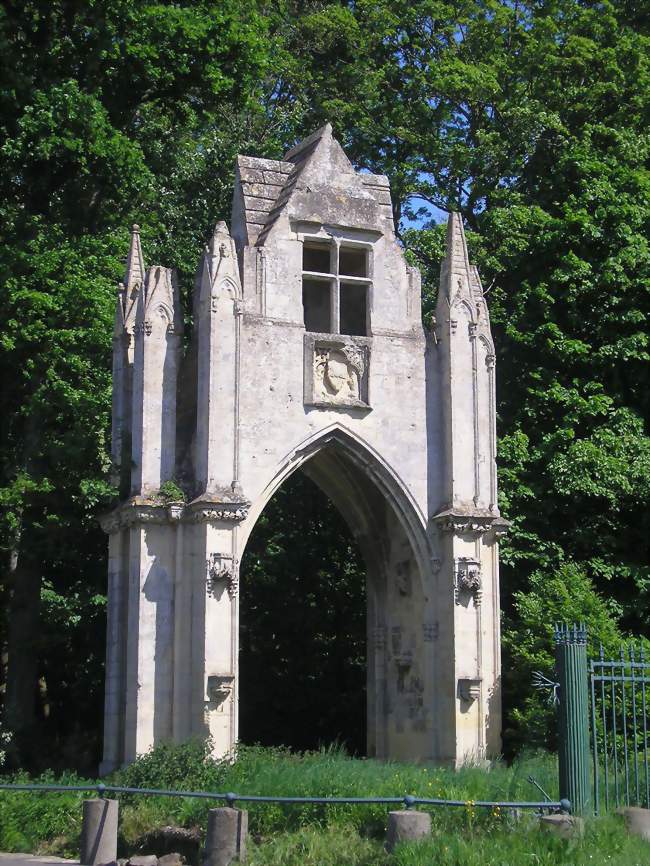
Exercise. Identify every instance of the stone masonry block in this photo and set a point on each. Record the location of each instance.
(99, 832)
(565, 826)
(405, 826)
(225, 840)
(637, 821)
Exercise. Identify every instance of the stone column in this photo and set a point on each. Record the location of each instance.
(150, 638)
(215, 640)
(464, 499)
(115, 646)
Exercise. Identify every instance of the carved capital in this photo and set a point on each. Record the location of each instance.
(134, 513)
(142, 510)
(473, 523)
(175, 512)
(208, 512)
(461, 524)
(500, 528)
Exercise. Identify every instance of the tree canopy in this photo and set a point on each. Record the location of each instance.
(530, 118)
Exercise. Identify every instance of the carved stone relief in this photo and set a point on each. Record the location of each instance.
(336, 371)
(403, 663)
(337, 376)
(379, 637)
(403, 578)
(430, 631)
(223, 573)
(135, 512)
(468, 583)
(219, 688)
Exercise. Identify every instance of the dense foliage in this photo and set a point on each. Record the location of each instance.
(302, 660)
(529, 117)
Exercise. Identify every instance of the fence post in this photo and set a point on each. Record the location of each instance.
(225, 840)
(573, 745)
(98, 832)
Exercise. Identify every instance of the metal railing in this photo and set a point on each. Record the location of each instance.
(408, 801)
(619, 728)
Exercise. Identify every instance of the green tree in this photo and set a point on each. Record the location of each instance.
(112, 113)
(531, 119)
(302, 625)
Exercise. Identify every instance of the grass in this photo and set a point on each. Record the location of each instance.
(605, 843)
(322, 835)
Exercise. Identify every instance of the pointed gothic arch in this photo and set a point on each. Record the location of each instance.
(391, 534)
(367, 461)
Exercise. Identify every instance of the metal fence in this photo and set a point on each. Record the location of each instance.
(619, 728)
(407, 801)
(603, 721)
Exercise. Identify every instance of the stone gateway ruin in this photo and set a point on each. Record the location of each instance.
(307, 352)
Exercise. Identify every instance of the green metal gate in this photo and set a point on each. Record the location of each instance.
(620, 689)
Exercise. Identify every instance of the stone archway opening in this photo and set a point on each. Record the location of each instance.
(349, 662)
(302, 625)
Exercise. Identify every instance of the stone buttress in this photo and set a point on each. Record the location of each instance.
(307, 352)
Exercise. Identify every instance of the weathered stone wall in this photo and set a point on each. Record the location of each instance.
(396, 426)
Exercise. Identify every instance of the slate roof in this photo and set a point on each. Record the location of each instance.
(267, 185)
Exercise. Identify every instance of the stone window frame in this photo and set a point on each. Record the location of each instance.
(334, 278)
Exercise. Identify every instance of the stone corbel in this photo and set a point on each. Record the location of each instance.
(219, 688)
(467, 580)
(469, 689)
(110, 523)
(499, 528)
(222, 573)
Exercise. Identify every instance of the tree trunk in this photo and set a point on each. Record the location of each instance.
(22, 645)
